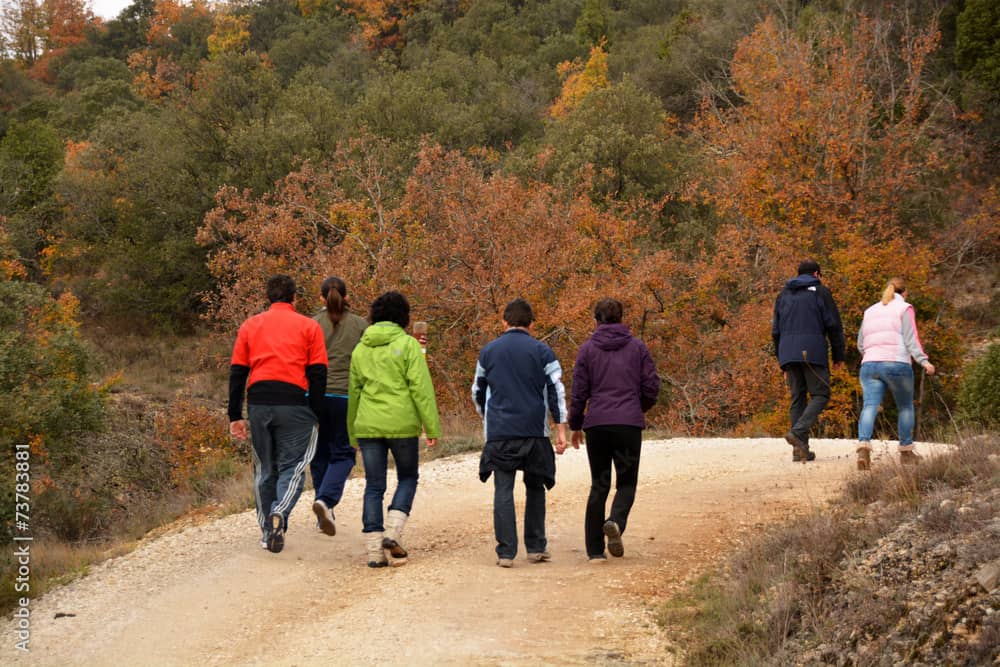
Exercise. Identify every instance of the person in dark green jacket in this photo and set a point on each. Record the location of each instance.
(390, 401)
(335, 457)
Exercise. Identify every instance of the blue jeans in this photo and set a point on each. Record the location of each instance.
(375, 454)
(334, 459)
(876, 377)
(284, 440)
(505, 519)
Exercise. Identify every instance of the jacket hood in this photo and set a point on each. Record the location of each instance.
(611, 337)
(802, 282)
(381, 333)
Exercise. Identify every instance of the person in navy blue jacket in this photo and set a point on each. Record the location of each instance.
(518, 386)
(805, 317)
(615, 383)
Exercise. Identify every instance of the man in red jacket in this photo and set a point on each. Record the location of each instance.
(280, 358)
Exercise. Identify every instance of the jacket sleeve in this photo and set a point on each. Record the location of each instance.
(316, 376)
(649, 390)
(479, 385)
(776, 326)
(554, 387)
(238, 375)
(354, 389)
(418, 377)
(910, 337)
(834, 327)
(580, 391)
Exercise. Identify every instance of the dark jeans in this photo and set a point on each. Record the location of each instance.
(622, 446)
(284, 440)
(806, 378)
(334, 459)
(505, 519)
(375, 454)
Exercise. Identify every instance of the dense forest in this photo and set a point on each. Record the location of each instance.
(682, 155)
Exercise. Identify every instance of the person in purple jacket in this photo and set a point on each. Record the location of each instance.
(614, 384)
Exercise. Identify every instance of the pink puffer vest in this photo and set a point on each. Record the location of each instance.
(882, 332)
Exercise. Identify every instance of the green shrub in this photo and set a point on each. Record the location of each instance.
(979, 396)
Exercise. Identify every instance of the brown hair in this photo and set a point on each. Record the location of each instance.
(334, 292)
(895, 286)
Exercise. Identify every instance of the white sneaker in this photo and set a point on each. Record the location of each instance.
(324, 518)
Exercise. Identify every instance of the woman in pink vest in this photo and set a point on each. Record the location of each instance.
(887, 339)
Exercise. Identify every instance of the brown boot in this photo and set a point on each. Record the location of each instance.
(864, 458)
(909, 458)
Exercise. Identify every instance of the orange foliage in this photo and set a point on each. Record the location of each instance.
(195, 439)
(381, 20)
(459, 244)
(580, 79)
(231, 35)
(813, 162)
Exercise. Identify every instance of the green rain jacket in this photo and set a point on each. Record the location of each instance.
(390, 394)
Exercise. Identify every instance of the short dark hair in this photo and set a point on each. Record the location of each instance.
(808, 266)
(390, 307)
(280, 289)
(608, 311)
(518, 313)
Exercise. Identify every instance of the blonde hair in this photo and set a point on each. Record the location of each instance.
(895, 286)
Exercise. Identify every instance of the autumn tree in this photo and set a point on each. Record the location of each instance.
(829, 152)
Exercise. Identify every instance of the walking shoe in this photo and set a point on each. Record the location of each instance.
(540, 557)
(797, 456)
(614, 535)
(376, 555)
(800, 450)
(263, 542)
(864, 458)
(505, 562)
(395, 521)
(324, 517)
(597, 560)
(276, 534)
(909, 458)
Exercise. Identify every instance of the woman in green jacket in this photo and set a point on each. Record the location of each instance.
(390, 400)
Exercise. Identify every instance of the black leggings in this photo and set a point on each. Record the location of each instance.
(622, 446)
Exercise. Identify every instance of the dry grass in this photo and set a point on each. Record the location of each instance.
(774, 588)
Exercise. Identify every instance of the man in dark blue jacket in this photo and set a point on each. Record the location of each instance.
(518, 385)
(805, 317)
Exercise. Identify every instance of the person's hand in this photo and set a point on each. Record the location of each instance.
(929, 367)
(577, 439)
(839, 365)
(560, 445)
(238, 429)
(431, 442)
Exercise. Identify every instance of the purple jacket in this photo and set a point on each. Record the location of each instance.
(614, 379)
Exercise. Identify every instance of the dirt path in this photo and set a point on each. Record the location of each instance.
(208, 595)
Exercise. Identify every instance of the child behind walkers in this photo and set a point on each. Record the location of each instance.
(390, 398)
(517, 378)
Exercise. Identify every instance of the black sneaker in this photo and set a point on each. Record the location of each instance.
(276, 534)
(614, 535)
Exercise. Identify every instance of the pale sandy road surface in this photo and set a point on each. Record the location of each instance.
(208, 595)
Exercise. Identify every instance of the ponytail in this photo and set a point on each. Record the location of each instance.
(895, 286)
(334, 292)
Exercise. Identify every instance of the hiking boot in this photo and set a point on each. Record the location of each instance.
(909, 458)
(864, 458)
(376, 554)
(797, 456)
(540, 557)
(395, 521)
(324, 518)
(614, 535)
(505, 562)
(800, 450)
(276, 534)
